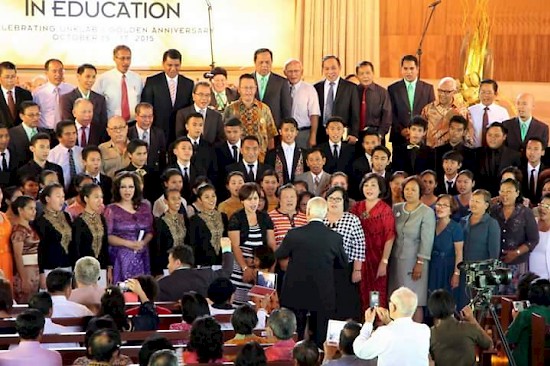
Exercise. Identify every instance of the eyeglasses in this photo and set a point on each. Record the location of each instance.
(446, 92)
(202, 95)
(442, 205)
(118, 128)
(335, 199)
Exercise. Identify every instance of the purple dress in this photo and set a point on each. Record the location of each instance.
(125, 225)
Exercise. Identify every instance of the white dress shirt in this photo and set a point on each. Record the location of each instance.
(446, 179)
(5, 92)
(52, 328)
(537, 170)
(60, 156)
(288, 151)
(402, 342)
(496, 113)
(63, 308)
(305, 104)
(140, 135)
(109, 83)
(79, 133)
(45, 97)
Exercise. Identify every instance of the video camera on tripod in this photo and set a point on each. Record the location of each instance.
(483, 274)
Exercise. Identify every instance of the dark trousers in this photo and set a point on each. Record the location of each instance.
(317, 324)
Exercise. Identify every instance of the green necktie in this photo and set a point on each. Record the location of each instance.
(523, 130)
(263, 84)
(219, 100)
(410, 94)
(33, 132)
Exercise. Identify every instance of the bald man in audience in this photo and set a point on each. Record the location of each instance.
(113, 152)
(525, 126)
(400, 339)
(439, 112)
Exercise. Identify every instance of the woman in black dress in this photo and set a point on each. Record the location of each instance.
(90, 229)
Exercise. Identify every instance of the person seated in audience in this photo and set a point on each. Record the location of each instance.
(205, 342)
(91, 165)
(97, 324)
(42, 302)
(305, 353)
(235, 181)
(164, 357)
(220, 293)
(429, 180)
(150, 288)
(281, 325)
(349, 332)
(396, 189)
(87, 272)
(172, 179)
(75, 205)
(151, 345)
(193, 306)
(30, 327)
(400, 339)
(207, 228)
(113, 306)
(244, 320)
(316, 178)
(452, 162)
(58, 283)
(303, 199)
(6, 304)
(40, 148)
(524, 283)
(465, 184)
(183, 277)
(104, 347)
(269, 182)
(519, 332)
(415, 156)
(170, 229)
(454, 342)
(10, 194)
(252, 354)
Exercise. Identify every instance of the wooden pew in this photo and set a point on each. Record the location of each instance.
(540, 332)
(170, 305)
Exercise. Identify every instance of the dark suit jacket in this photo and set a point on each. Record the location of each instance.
(536, 129)
(277, 97)
(205, 158)
(156, 92)
(345, 159)
(278, 154)
(403, 159)
(6, 118)
(9, 177)
(401, 112)
(346, 105)
(156, 153)
(484, 177)
(535, 199)
(19, 145)
(224, 157)
(106, 184)
(172, 287)
(314, 252)
(33, 169)
(442, 186)
(66, 102)
(231, 94)
(194, 172)
(360, 167)
(213, 126)
(240, 167)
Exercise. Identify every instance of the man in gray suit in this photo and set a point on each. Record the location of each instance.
(525, 126)
(213, 121)
(317, 179)
(273, 89)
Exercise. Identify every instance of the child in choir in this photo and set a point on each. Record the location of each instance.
(339, 154)
(452, 162)
(414, 157)
(91, 165)
(172, 179)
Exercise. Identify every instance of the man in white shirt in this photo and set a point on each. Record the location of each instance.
(305, 104)
(112, 83)
(486, 112)
(58, 283)
(401, 341)
(67, 154)
(47, 96)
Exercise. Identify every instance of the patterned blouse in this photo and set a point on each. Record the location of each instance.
(282, 223)
(438, 118)
(349, 226)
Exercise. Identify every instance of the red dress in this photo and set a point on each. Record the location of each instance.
(379, 227)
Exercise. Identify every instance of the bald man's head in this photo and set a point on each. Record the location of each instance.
(525, 103)
(316, 208)
(405, 302)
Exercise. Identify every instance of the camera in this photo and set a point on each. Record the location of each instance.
(482, 274)
(123, 286)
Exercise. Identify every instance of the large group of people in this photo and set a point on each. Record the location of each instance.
(273, 174)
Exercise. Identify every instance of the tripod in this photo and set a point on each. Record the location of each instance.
(482, 303)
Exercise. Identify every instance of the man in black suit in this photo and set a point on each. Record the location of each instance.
(168, 92)
(340, 160)
(88, 132)
(228, 152)
(184, 277)
(153, 136)
(408, 97)
(531, 186)
(337, 97)
(40, 147)
(249, 165)
(8, 165)
(273, 89)
(458, 127)
(12, 96)
(20, 135)
(524, 126)
(314, 252)
(91, 165)
(204, 155)
(182, 149)
(414, 157)
(213, 121)
(85, 75)
(494, 157)
(446, 182)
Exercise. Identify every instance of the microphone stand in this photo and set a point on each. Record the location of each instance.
(209, 4)
(426, 25)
